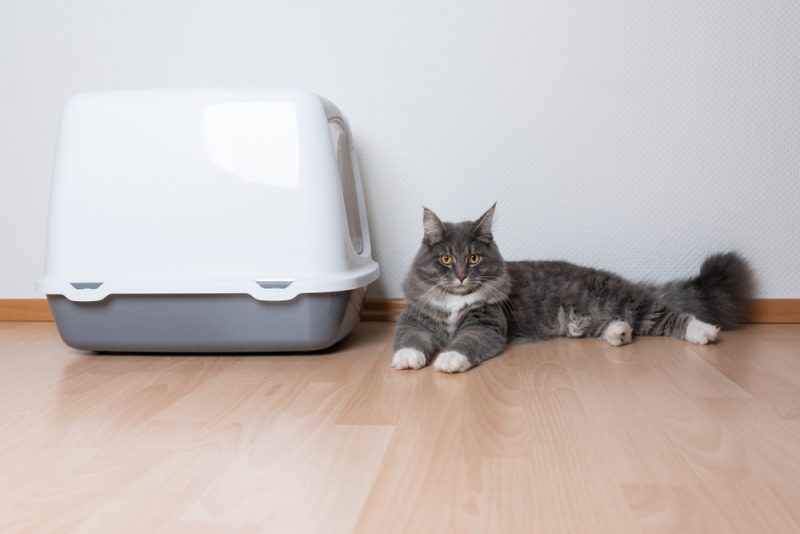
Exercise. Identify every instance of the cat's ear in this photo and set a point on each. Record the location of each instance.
(434, 229)
(483, 226)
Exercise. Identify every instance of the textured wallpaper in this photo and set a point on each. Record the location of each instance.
(636, 136)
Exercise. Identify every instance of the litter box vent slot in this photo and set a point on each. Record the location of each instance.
(86, 285)
(274, 284)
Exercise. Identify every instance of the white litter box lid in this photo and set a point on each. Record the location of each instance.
(198, 191)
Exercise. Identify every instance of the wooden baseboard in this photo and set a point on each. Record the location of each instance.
(25, 310)
(380, 309)
(376, 309)
(774, 311)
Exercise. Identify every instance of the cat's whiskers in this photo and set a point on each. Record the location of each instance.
(492, 292)
(422, 301)
(490, 279)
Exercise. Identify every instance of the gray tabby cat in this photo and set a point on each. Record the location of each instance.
(464, 303)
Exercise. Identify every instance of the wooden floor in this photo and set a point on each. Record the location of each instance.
(561, 436)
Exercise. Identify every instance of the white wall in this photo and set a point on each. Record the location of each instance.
(630, 135)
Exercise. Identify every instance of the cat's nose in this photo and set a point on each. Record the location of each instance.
(461, 277)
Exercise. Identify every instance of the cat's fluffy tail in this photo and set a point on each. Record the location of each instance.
(719, 295)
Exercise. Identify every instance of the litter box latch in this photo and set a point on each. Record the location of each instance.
(86, 285)
(77, 291)
(274, 284)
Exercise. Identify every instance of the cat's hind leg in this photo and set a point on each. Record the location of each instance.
(700, 333)
(617, 333)
(572, 324)
(661, 321)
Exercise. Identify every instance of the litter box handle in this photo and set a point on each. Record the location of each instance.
(334, 114)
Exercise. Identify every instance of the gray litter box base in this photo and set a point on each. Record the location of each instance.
(207, 323)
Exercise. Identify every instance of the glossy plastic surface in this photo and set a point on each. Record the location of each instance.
(205, 191)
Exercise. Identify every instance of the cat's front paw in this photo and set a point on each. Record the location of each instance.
(618, 333)
(408, 358)
(451, 362)
(700, 333)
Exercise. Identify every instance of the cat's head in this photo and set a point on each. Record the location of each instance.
(458, 259)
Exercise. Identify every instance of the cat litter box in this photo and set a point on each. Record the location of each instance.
(205, 220)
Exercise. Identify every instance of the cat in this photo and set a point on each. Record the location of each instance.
(465, 304)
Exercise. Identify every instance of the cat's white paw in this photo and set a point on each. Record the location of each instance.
(618, 333)
(408, 358)
(700, 333)
(451, 362)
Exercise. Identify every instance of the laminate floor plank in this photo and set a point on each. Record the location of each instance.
(567, 435)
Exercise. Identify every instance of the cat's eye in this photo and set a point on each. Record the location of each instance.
(446, 260)
(473, 259)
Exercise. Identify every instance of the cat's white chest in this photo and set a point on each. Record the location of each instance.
(454, 305)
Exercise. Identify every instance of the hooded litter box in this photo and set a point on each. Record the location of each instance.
(206, 220)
